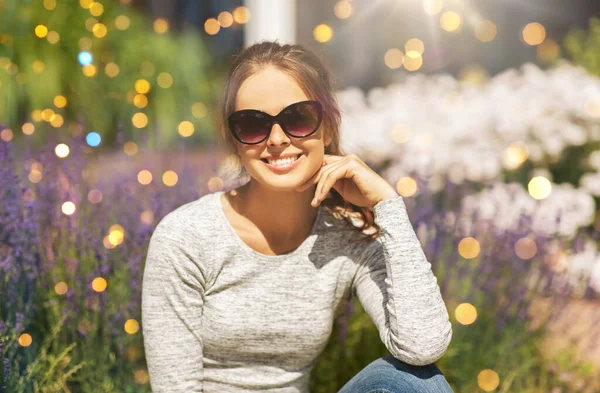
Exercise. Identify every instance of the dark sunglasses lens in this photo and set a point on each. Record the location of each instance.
(301, 119)
(250, 127)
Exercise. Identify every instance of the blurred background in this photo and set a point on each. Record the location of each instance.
(484, 115)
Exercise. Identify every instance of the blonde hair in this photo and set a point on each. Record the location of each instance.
(313, 77)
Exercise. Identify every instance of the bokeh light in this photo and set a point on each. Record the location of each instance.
(68, 208)
(25, 340)
(539, 187)
(451, 21)
(170, 178)
(99, 284)
(93, 139)
(61, 150)
(465, 314)
(468, 247)
(406, 186)
(131, 326)
(533, 33)
(185, 128)
(61, 288)
(144, 177)
(84, 58)
(323, 33)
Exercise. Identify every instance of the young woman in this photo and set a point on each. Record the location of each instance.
(241, 288)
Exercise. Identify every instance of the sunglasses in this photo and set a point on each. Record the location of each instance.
(298, 120)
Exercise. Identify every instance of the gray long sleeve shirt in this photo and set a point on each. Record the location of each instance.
(218, 316)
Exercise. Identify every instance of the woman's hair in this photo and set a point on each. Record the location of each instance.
(313, 77)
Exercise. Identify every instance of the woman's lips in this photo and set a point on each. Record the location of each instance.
(284, 168)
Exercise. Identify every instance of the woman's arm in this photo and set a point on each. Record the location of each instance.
(172, 303)
(398, 290)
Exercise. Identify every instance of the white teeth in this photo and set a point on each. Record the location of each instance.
(283, 161)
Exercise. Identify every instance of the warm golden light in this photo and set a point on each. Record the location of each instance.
(432, 7)
(49, 4)
(465, 313)
(122, 22)
(539, 187)
(142, 86)
(35, 176)
(25, 340)
(116, 234)
(131, 326)
(406, 186)
(199, 110)
(99, 284)
(469, 248)
(140, 120)
(99, 30)
(170, 178)
(144, 177)
(147, 217)
(53, 37)
(6, 135)
(61, 288)
(212, 26)
(515, 155)
(488, 380)
(68, 208)
(414, 47)
(393, 58)
(130, 148)
(41, 31)
(215, 184)
(450, 21)
(185, 128)
(164, 80)
(140, 100)
(89, 70)
(160, 26)
(323, 33)
(485, 30)
(343, 9)
(61, 150)
(533, 34)
(412, 63)
(592, 106)
(225, 19)
(548, 51)
(38, 66)
(28, 128)
(241, 15)
(96, 9)
(525, 248)
(60, 101)
(57, 121)
(111, 70)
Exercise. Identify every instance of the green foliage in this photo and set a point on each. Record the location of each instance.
(514, 353)
(584, 47)
(48, 372)
(33, 71)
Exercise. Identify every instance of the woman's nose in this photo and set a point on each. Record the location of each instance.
(277, 135)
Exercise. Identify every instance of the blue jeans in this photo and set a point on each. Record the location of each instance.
(390, 375)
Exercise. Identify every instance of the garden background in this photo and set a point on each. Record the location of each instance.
(485, 117)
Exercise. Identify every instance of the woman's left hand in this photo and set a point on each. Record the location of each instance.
(354, 180)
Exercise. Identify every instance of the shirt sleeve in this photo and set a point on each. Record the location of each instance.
(397, 288)
(172, 305)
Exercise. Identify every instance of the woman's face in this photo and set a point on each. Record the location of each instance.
(271, 90)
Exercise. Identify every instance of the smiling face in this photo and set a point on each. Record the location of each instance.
(271, 90)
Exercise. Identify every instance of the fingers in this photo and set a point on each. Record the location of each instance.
(329, 175)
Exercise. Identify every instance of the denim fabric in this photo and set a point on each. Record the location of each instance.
(390, 375)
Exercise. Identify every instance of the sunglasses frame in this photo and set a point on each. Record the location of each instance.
(276, 119)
